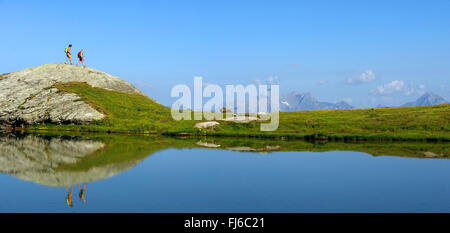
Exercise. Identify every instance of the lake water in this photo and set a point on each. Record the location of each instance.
(160, 174)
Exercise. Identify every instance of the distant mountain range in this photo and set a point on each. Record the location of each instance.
(427, 99)
(296, 101)
(382, 106)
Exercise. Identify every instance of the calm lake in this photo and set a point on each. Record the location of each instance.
(119, 173)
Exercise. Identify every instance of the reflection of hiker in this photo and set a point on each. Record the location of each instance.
(68, 54)
(82, 193)
(69, 197)
(81, 58)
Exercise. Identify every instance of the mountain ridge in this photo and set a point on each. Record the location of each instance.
(426, 99)
(296, 101)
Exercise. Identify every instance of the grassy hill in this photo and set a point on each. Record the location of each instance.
(133, 113)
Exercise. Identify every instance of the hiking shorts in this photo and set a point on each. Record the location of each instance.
(80, 58)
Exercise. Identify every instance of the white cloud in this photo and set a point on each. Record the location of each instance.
(421, 89)
(389, 88)
(347, 100)
(365, 77)
(398, 86)
(271, 80)
(321, 82)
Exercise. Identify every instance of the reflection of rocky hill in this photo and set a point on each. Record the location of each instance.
(66, 178)
(32, 153)
(37, 159)
(66, 160)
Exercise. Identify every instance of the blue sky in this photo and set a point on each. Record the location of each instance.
(382, 52)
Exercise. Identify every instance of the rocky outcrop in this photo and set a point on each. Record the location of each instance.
(28, 96)
(430, 154)
(207, 124)
(242, 119)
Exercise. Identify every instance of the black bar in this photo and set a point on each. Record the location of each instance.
(246, 222)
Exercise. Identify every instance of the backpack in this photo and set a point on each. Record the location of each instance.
(66, 50)
(79, 54)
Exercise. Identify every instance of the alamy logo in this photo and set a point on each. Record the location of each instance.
(263, 103)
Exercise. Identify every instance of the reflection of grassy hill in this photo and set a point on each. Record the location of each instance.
(403, 148)
(66, 159)
(136, 113)
(56, 159)
(123, 148)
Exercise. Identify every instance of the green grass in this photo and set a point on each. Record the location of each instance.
(133, 113)
(125, 112)
(3, 75)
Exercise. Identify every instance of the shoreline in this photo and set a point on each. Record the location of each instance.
(418, 149)
(280, 136)
(128, 113)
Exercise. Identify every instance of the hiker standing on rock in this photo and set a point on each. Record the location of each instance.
(68, 54)
(80, 58)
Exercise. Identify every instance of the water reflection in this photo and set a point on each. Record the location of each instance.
(81, 194)
(48, 160)
(71, 162)
(69, 196)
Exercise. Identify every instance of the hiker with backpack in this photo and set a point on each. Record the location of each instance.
(68, 54)
(80, 58)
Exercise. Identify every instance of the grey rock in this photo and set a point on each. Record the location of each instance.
(241, 119)
(430, 154)
(207, 124)
(28, 96)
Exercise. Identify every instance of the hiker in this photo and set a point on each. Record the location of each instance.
(69, 197)
(68, 54)
(82, 193)
(80, 58)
